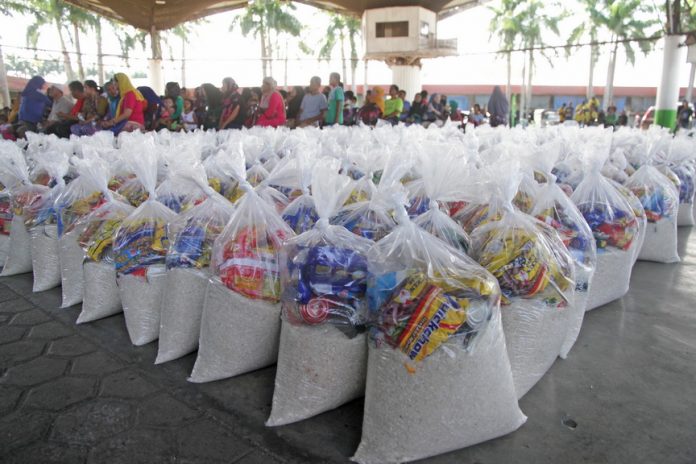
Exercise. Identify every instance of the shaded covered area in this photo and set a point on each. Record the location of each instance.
(165, 14)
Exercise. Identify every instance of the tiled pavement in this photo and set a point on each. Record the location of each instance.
(73, 394)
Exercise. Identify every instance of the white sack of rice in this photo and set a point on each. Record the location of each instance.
(102, 298)
(180, 317)
(319, 369)
(4, 246)
(639, 240)
(686, 214)
(18, 259)
(660, 244)
(238, 335)
(142, 299)
(612, 276)
(534, 335)
(583, 279)
(454, 399)
(71, 272)
(44, 257)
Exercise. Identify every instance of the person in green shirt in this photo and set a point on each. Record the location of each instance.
(611, 118)
(334, 114)
(394, 106)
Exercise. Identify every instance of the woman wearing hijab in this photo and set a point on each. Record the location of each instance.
(231, 106)
(94, 108)
(152, 107)
(455, 113)
(377, 98)
(271, 106)
(32, 106)
(498, 108)
(213, 100)
(435, 112)
(130, 110)
(294, 102)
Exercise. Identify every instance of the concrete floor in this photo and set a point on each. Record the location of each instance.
(629, 387)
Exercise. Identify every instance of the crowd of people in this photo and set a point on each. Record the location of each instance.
(119, 106)
(589, 113)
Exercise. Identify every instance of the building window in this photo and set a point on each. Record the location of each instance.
(392, 29)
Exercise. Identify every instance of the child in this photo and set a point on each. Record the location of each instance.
(165, 121)
(188, 117)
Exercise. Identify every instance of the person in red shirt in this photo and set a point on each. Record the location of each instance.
(271, 106)
(130, 111)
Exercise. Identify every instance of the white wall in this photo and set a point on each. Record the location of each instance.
(414, 16)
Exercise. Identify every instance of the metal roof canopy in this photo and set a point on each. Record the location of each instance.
(165, 14)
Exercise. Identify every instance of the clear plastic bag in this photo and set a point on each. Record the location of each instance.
(324, 280)
(616, 229)
(536, 277)
(435, 329)
(554, 208)
(188, 270)
(660, 200)
(140, 249)
(681, 156)
(14, 175)
(101, 295)
(240, 324)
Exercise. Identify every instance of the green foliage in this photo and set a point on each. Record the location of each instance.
(33, 67)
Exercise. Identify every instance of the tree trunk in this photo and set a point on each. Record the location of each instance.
(609, 89)
(353, 65)
(508, 86)
(100, 52)
(530, 89)
(523, 91)
(183, 61)
(4, 86)
(264, 51)
(66, 56)
(344, 66)
(590, 81)
(78, 49)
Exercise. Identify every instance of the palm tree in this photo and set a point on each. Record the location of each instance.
(268, 20)
(506, 24)
(535, 21)
(50, 12)
(342, 27)
(587, 30)
(80, 20)
(621, 20)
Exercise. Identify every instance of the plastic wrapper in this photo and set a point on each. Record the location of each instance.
(5, 223)
(641, 216)
(140, 249)
(436, 329)
(535, 273)
(616, 230)
(240, 325)
(660, 200)
(188, 271)
(554, 208)
(324, 282)
(101, 295)
(82, 196)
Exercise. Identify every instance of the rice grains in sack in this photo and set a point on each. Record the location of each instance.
(616, 231)
(101, 295)
(322, 359)
(5, 222)
(241, 315)
(660, 199)
(554, 208)
(436, 349)
(188, 270)
(82, 196)
(535, 273)
(14, 175)
(140, 249)
(40, 218)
